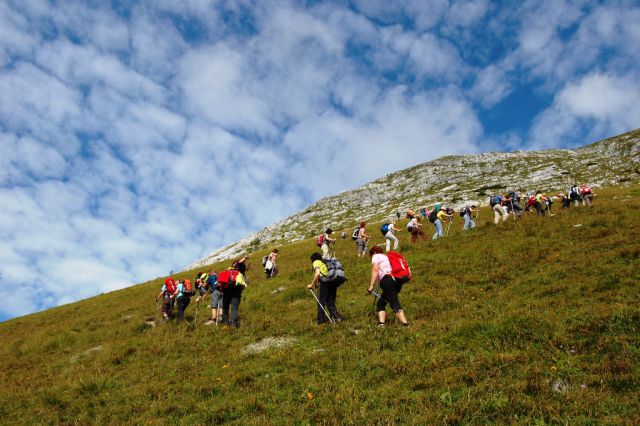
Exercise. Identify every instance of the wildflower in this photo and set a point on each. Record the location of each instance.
(310, 395)
(554, 368)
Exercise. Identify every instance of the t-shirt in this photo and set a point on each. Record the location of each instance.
(326, 237)
(211, 282)
(323, 267)
(384, 266)
(442, 214)
(539, 198)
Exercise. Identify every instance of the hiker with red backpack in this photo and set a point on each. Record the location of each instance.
(166, 294)
(183, 294)
(363, 238)
(390, 271)
(232, 283)
(327, 285)
(323, 242)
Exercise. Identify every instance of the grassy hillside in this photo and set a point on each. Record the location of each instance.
(530, 322)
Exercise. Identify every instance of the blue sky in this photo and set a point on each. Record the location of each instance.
(136, 137)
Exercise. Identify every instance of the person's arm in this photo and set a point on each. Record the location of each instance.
(159, 296)
(315, 279)
(175, 293)
(374, 276)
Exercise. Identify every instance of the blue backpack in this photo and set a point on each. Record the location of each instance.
(496, 199)
(384, 228)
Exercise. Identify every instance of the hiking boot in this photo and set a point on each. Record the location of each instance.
(235, 324)
(405, 324)
(381, 325)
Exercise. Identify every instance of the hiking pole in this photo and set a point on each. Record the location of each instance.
(195, 320)
(446, 234)
(218, 311)
(380, 297)
(513, 212)
(323, 309)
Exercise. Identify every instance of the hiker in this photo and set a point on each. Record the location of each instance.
(511, 200)
(183, 295)
(423, 212)
(437, 222)
(398, 214)
(587, 195)
(390, 236)
(235, 281)
(444, 215)
(574, 195)
(548, 201)
(270, 266)
(343, 235)
(166, 294)
(201, 285)
(466, 214)
(498, 211)
(381, 273)
(211, 286)
(410, 214)
(415, 227)
(540, 203)
(325, 243)
(363, 238)
(564, 200)
(531, 202)
(327, 291)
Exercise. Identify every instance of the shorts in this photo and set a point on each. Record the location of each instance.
(216, 299)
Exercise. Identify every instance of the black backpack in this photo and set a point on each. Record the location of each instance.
(463, 212)
(355, 233)
(433, 216)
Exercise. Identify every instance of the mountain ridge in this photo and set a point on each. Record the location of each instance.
(601, 163)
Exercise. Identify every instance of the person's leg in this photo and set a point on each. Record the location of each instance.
(396, 241)
(180, 308)
(388, 242)
(332, 292)
(235, 304)
(226, 302)
(505, 215)
(390, 290)
(440, 228)
(472, 222)
(325, 251)
(467, 224)
(496, 214)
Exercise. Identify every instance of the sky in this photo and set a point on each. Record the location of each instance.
(138, 136)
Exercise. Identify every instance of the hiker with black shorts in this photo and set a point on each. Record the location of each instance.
(327, 292)
(381, 273)
(183, 295)
(232, 294)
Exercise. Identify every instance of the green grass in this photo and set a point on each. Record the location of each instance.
(530, 322)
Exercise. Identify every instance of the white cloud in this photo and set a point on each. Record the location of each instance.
(605, 103)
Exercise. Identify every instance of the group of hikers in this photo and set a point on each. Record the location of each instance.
(389, 271)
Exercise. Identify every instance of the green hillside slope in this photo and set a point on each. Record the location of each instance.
(530, 322)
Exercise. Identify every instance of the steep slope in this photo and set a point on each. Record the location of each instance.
(456, 180)
(530, 322)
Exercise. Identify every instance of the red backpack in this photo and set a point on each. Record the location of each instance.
(320, 240)
(171, 285)
(227, 279)
(400, 269)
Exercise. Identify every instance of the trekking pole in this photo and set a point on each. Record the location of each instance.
(195, 320)
(218, 312)
(513, 212)
(446, 234)
(323, 309)
(380, 297)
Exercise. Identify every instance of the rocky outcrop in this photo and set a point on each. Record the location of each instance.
(455, 181)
